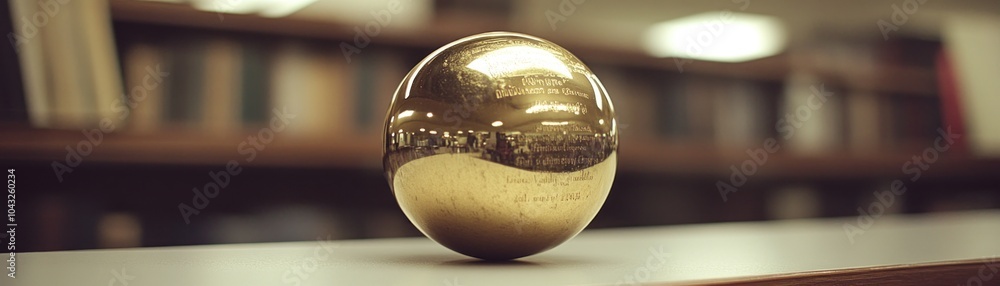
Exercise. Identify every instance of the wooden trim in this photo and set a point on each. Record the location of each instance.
(957, 272)
(195, 148)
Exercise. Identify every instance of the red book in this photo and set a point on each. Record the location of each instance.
(951, 107)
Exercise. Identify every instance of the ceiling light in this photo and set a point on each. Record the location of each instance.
(282, 8)
(721, 36)
(266, 8)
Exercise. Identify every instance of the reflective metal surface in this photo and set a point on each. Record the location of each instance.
(500, 145)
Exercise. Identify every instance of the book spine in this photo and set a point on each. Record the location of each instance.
(255, 85)
(183, 104)
(951, 105)
(221, 95)
(145, 89)
(100, 69)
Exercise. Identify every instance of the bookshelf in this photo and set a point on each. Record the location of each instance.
(451, 25)
(663, 156)
(877, 80)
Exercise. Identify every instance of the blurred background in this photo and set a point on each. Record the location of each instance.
(151, 123)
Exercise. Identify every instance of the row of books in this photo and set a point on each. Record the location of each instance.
(802, 112)
(225, 85)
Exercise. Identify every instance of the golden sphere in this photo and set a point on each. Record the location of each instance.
(500, 145)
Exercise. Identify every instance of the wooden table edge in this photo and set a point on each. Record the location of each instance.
(983, 271)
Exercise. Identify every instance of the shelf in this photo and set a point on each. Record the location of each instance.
(194, 148)
(882, 79)
(703, 160)
(198, 148)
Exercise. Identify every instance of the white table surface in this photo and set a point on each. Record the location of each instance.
(607, 256)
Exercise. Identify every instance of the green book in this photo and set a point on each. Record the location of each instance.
(187, 82)
(365, 103)
(256, 83)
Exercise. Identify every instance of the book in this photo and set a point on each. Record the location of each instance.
(367, 70)
(951, 103)
(187, 83)
(69, 64)
(700, 94)
(147, 114)
(972, 42)
(390, 68)
(739, 115)
(255, 83)
(100, 67)
(672, 120)
(316, 87)
(685, 109)
(291, 86)
(66, 71)
(864, 128)
(222, 100)
(29, 48)
(809, 124)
